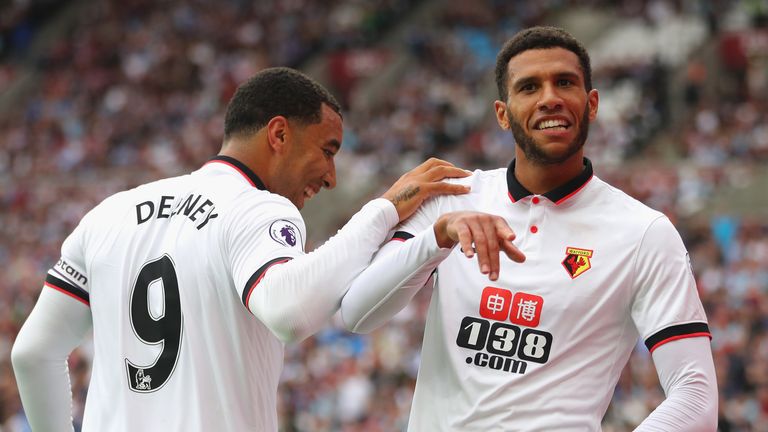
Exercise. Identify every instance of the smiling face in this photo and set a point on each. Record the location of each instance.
(548, 108)
(307, 163)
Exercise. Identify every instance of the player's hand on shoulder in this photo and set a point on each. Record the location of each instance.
(423, 182)
(479, 233)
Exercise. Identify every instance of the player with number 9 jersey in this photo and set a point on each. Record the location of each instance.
(158, 265)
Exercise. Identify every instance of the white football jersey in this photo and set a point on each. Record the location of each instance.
(167, 269)
(541, 348)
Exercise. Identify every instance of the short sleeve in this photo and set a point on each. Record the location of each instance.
(666, 304)
(69, 275)
(264, 231)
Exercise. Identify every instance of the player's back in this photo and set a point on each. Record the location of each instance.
(174, 347)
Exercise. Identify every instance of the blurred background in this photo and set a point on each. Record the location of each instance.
(97, 97)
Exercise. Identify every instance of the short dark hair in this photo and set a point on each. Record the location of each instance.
(272, 92)
(539, 38)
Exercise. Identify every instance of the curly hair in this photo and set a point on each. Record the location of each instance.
(540, 38)
(278, 91)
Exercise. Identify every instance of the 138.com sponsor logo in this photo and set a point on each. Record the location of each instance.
(501, 345)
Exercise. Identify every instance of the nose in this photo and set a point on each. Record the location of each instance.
(550, 99)
(329, 179)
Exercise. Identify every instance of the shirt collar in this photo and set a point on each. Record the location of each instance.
(556, 195)
(240, 167)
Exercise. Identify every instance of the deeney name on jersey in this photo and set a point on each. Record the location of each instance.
(197, 208)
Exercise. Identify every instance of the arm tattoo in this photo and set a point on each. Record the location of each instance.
(406, 194)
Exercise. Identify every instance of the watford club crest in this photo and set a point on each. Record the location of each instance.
(576, 261)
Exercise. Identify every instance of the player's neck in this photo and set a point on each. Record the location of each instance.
(540, 179)
(246, 152)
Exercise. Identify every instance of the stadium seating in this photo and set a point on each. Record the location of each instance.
(134, 90)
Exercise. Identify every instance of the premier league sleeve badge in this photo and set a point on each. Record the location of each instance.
(285, 233)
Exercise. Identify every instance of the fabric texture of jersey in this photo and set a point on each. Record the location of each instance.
(542, 347)
(166, 268)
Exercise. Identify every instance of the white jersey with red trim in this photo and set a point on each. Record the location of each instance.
(167, 269)
(542, 347)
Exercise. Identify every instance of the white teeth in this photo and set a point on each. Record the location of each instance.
(309, 192)
(549, 124)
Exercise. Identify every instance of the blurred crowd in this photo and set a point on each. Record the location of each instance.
(136, 91)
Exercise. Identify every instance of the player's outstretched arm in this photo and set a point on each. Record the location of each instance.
(400, 270)
(55, 327)
(294, 299)
(687, 374)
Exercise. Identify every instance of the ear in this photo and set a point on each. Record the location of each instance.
(593, 99)
(501, 114)
(277, 133)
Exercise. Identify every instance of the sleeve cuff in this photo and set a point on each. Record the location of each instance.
(432, 243)
(675, 332)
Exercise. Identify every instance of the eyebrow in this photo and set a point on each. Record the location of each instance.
(533, 79)
(522, 82)
(572, 75)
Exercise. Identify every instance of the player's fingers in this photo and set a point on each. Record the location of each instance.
(505, 236)
(441, 188)
(464, 237)
(492, 247)
(503, 231)
(440, 172)
(512, 251)
(480, 239)
(429, 164)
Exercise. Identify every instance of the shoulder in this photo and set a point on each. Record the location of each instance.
(481, 183)
(260, 206)
(480, 178)
(625, 216)
(146, 191)
(257, 214)
(111, 209)
(266, 201)
(618, 203)
(115, 209)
